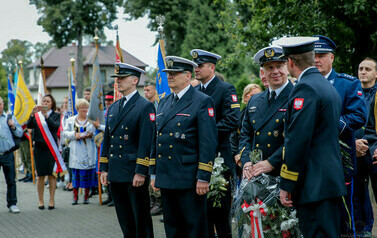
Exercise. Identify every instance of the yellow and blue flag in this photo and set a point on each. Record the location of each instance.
(162, 86)
(24, 102)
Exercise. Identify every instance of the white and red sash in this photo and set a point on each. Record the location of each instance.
(59, 166)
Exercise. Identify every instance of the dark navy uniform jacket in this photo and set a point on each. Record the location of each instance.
(370, 130)
(227, 110)
(128, 138)
(312, 168)
(369, 94)
(186, 141)
(353, 114)
(263, 127)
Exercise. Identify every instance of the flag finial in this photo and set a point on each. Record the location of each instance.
(42, 63)
(10, 67)
(116, 28)
(160, 19)
(96, 35)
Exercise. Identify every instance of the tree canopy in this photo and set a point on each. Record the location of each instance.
(69, 20)
(4, 85)
(349, 23)
(18, 50)
(175, 12)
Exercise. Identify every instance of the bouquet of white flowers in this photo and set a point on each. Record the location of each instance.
(257, 211)
(218, 185)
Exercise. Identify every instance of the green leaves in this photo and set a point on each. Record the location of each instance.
(256, 23)
(64, 20)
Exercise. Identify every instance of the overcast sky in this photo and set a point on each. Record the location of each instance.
(18, 20)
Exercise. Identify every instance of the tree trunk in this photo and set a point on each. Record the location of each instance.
(80, 68)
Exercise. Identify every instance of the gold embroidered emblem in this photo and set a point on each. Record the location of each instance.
(269, 53)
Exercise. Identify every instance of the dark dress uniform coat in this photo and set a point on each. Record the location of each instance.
(128, 138)
(186, 141)
(227, 109)
(352, 117)
(263, 127)
(125, 151)
(185, 149)
(312, 168)
(311, 146)
(353, 114)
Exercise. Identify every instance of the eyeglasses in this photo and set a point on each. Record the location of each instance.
(173, 74)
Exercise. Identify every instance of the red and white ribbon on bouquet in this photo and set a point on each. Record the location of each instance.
(256, 210)
(59, 166)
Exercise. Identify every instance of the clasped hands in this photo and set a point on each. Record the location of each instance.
(250, 170)
(79, 137)
(361, 147)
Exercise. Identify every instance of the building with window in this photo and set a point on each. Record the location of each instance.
(57, 63)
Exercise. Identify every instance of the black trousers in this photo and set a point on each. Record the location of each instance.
(185, 213)
(320, 219)
(7, 162)
(219, 217)
(132, 208)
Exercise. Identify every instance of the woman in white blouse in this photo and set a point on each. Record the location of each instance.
(83, 151)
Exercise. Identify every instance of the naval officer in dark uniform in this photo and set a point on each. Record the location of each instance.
(352, 117)
(312, 173)
(263, 124)
(125, 156)
(186, 145)
(227, 110)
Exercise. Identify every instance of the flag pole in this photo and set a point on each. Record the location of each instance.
(17, 151)
(99, 148)
(118, 58)
(31, 157)
(43, 75)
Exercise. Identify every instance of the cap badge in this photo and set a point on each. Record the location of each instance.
(170, 63)
(269, 53)
(117, 68)
(194, 54)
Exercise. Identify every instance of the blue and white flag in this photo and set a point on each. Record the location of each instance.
(71, 92)
(11, 98)
(15, 81)
(162, 86)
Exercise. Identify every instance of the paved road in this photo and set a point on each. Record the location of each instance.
(65, 220)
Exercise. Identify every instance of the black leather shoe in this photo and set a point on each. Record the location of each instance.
(156, 210)
(29, 179)
(93, 191)
(107, 201)
(27, 176)
(86, 201)
(75, 201)
(111, 204)
(41, 207)
(51, 207)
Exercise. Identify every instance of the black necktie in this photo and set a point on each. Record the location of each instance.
(175, 100)
(272, 97)
(202, 88)
(122, 101)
